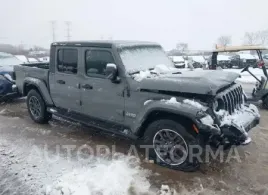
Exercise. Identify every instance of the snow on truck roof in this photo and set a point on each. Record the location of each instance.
(240, 48)
(106, 43)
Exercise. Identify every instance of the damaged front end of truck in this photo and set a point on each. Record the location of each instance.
(229, 118)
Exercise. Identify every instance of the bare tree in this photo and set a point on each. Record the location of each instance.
(224, 40)
(251, 38)
(262, 37)
(182, 47)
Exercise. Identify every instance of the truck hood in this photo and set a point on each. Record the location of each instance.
(196, 82)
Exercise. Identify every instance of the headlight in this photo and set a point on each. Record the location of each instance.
(218, 105)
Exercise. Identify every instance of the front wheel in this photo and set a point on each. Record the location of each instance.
(37, 107)
(172, 146)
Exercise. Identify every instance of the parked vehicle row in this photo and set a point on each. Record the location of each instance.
(237, 60)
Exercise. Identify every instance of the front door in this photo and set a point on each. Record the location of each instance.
(100, 97)
(64, 81)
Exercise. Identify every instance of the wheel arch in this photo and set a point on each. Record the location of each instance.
(154, 115)
(38, 85)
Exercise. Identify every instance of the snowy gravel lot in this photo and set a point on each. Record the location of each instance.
(35, 160)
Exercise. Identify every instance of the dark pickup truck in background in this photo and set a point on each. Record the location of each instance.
(133, 89)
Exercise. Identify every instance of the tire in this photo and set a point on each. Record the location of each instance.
(38, 112)
(185, 163)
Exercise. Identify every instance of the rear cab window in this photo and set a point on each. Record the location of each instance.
(67, 60)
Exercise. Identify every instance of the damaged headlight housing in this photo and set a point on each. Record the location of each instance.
(205, 117)
(218, 105)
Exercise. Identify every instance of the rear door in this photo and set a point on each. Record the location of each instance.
(64, 81)
(101, 98)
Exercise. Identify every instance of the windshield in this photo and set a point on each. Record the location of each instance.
(8, 60)
(144, 58)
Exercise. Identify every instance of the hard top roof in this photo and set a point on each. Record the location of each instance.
(106, 43)
(240, 48)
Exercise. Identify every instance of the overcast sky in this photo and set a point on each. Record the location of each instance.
(197, 22)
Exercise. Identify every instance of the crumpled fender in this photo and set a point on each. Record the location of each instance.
(41, 86)
(178, 108)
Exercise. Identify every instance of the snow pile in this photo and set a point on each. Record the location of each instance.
(166, 190)
(194, 104)
(120, 176)
(172, 100)
(158, 70)
(142, 75)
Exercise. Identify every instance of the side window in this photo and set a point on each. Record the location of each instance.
(96, 61)
(67, 61)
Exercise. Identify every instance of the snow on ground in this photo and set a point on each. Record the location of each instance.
(245, 76)
(44, 172)
(28, 169)
(103, 177)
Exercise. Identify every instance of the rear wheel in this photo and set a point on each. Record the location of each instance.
(171, 145)
(37, 107)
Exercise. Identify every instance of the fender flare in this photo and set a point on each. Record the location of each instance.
(181, 109)
(42, 88)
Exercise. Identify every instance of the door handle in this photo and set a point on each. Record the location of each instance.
(61, 82)
(86, 86)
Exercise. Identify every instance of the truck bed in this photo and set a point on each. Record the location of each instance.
(33, 70)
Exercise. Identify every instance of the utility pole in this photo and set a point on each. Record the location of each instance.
(68, 30)
(53, 28)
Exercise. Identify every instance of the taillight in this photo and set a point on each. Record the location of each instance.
(260, 64)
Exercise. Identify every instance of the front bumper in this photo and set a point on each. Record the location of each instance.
(231, 129)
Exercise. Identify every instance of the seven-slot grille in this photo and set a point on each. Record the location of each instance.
(231, 99)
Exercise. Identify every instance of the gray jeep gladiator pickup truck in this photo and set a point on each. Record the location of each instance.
(132, 89)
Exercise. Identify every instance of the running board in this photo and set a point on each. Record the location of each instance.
(125, 132)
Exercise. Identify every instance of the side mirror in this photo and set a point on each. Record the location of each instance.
(111, 72)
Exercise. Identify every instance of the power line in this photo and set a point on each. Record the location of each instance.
(53, 28)
(68, 30)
